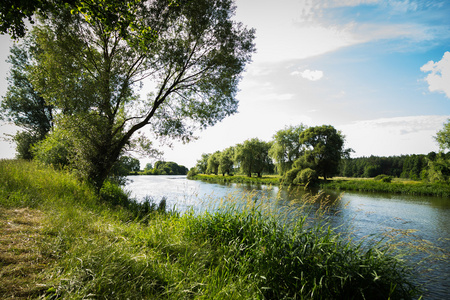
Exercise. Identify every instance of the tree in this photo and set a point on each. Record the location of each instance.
(191, 51)
(202, 163)
(253, 157)
(226, 161)
(286, 147)
(213, 163)
(324, 147)
(23, 105)
(443, 137)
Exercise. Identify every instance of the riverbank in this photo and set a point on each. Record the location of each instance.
(405, 187)
(110, 246)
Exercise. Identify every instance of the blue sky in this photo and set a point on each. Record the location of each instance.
(376, 70)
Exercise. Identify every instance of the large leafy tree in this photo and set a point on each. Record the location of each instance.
(22, 104)
(190, 52)
(253, 157)
(286, 147)
(226, 161)
(213, 163)
(202, 163)
(323, 149)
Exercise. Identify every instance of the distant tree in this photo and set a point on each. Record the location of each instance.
(323, 147)
(23, 105)
(148, 167)
(167, 168)
(253, 157)
(439, 168)
(202, 163)
(443, 137)
(129, 164)
(213, 163)
(226, 161)
(286, 147)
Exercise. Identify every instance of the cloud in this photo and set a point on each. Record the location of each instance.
(439, 78)
(393, 136)
(309, 74)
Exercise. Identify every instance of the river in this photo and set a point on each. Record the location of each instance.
(425, 220)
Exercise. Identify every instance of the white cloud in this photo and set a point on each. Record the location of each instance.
(309, 74)
(439, 78)
(393, 136)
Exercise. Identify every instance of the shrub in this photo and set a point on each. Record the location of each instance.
(306, 176)
(383, 178)
(290, 176)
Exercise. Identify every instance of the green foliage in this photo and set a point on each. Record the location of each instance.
(272, 180)
(306, 177)
(92, 54)
(439, 168)
(24, 143)
(407, 188)
(253, 157)
(22, 105)
(148, 167)
(384, 178)
(202, 163)
(226, 161)
(290, 176)
(286, 147)
(324, 146)
(54, 150)
(413, 167)
(192, 173)
(213, 163)
(443, 137)
(166, 168)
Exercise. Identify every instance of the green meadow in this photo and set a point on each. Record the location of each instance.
(62, 240)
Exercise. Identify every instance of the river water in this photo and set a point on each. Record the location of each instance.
(422, 222)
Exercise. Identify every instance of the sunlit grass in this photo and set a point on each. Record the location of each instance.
(238, 247)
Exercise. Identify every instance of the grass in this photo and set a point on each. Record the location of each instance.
(80, 245)
(397, 187)
(266, 179)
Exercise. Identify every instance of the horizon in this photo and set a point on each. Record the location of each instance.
(378, 71)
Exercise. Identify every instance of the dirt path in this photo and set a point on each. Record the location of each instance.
(21, 261)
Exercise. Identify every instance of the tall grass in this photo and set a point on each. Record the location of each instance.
(239, 251)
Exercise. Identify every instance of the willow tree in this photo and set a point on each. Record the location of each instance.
(93, 59)
(286, 147)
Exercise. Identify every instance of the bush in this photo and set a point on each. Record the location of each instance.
(192, 172)
(384, 178)
(290, 176)
(306, 176)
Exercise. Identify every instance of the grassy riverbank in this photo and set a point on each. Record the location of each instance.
(268, 179)
(80, 245)
(405, 187)
(398, 186)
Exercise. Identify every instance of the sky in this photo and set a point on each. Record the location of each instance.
(378, 71)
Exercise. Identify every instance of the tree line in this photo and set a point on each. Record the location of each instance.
(300, 154)
(164, 168)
